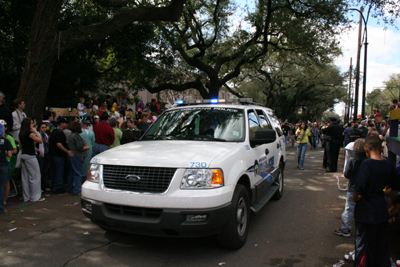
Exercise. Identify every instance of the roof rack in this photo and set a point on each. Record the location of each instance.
(243, 101)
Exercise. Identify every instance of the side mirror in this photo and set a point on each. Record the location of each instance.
(263, 136)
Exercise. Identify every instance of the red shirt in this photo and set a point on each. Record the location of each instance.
(104, 134)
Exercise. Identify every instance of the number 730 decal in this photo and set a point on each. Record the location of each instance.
(198, 164)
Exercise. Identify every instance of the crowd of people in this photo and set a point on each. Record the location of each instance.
(54, 154)
(373, 196)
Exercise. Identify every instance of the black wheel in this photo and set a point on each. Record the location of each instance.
(279, 181)
(234, 234)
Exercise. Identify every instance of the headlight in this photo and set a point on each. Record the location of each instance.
(93, 174)
(202, 178)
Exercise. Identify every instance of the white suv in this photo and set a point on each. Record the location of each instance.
(199, 170)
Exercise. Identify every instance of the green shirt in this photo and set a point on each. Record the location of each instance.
(118, 136)
(12, 141)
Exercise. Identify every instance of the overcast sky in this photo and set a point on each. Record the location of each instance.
(383, 55)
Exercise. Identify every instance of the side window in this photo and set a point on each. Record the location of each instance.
(253, 123)
(265, 124)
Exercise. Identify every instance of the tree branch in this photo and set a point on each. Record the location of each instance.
(112, 3)
(78, 36)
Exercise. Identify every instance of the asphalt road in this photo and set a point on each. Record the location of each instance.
(295, 231)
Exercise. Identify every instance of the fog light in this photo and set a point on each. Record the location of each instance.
(87, 206)
(196, 218)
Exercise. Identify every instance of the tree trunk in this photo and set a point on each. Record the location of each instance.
(42, 54)
(45, 43)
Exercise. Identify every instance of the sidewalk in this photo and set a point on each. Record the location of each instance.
(22, 221)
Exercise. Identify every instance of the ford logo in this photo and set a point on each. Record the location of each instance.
(132, 178)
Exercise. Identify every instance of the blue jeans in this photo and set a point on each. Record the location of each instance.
(44, 167)
(347, 216)
(98, 148)
(313, 142)
(286, 139)
(57, 172)
(301, 154)
(4, 176)
(75, 177)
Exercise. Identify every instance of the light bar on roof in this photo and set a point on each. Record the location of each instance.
(216, 101)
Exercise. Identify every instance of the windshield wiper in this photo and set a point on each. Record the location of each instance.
(158, 137)
(202, 138)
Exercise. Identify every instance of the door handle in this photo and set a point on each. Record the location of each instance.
(277, 145)
(266, 151)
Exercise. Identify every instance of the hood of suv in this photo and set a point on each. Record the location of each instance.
(163, 153)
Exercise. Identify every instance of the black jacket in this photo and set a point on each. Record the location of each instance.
(6, 114)
(334, 131)
(352, 168)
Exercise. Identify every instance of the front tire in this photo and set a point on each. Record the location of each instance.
(235, 232)
(279, 180)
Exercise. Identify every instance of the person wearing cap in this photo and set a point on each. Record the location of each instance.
(18, 116)
(334, 131)
(5, 112)
(104, 134)
(5, 151)
(58, 151)
(96, 120)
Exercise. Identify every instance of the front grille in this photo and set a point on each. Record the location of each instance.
(134, 211)
(152, 180)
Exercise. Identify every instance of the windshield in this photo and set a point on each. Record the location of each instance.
(196, 123)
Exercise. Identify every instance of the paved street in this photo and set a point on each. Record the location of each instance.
(294, 231)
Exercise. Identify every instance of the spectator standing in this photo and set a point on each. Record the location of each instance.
(334, 142)
(5, 151)
(55, 118)
(364, 128)
(5, 112)
(81, 108)
(346, 134)
(144, 123)
(286, 131)
(355, 133)
(104, 134)
(96, 120)
(79, 147)
(351, 173)
(371, 211)
(11, 160)
(47, 118)
(302, 139)
(117, 133)
(43, 157)
(18, 115)
(88, 136)
(58, 151)
(314, 136)
(30, 171)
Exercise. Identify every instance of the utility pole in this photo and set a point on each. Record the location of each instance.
(365, 73)
(357, 69)
(348, 113)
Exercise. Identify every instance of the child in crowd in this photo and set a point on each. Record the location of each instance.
(351, 173)
(371, 211)
(81, 108)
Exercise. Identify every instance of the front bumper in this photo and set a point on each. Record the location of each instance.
(155, 222)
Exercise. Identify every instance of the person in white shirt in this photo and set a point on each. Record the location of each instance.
(18, 116)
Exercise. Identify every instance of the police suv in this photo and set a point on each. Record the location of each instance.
(199, 170)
